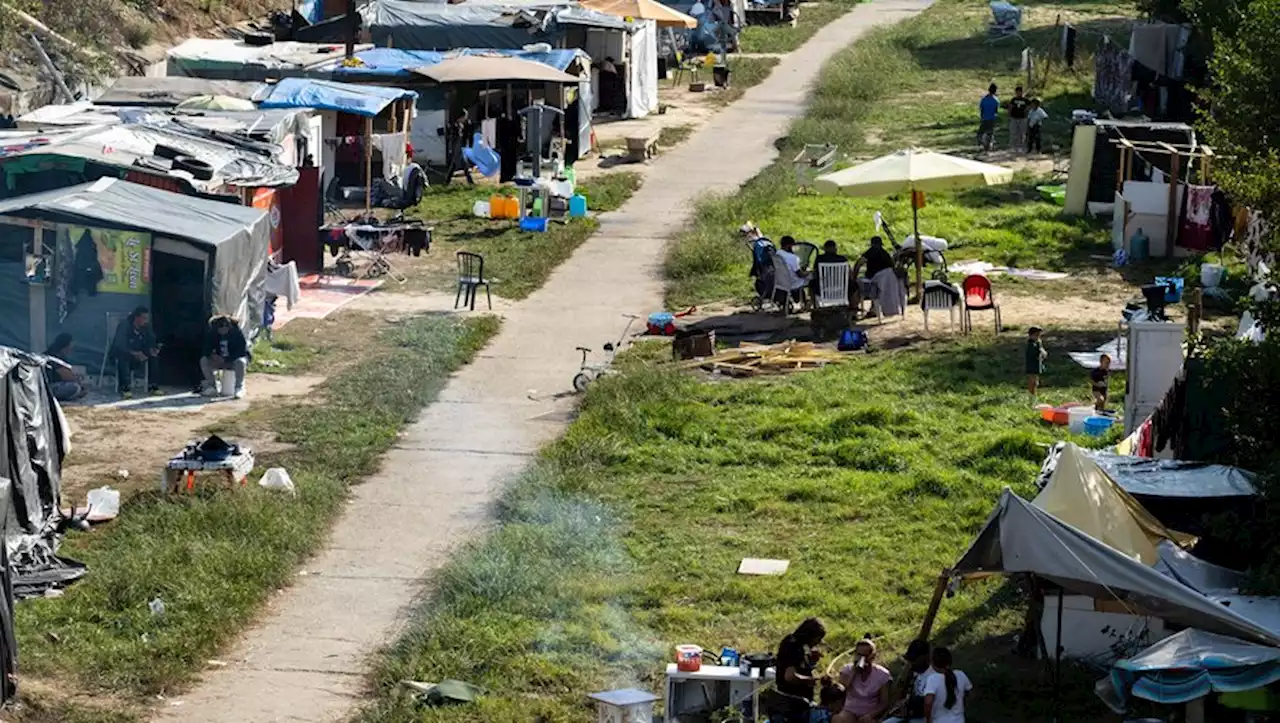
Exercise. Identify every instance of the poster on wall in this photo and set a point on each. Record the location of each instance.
(108, 261)
(266, 199)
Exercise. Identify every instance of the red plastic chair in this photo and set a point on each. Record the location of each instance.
(978, 296)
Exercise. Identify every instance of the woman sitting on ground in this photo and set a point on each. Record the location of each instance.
(64, 383)
(867, 686)
(945, 690)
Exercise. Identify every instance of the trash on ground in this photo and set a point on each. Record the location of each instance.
(750, 359)
(446, 692)
(760, 566)
(157, 607)
(104, 504)
(276, 478)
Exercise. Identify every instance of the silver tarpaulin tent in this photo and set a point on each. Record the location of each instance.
(1021, 538)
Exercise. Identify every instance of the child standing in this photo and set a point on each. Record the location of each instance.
(1035, 356)
(1035, 121)
(1098, 382)
(988, 113)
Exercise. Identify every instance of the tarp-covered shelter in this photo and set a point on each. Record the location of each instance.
(482, 69)
(412, 25)
(1080, 494)
(1022, 538)
(168, 92)
(361, 100)
(228, 59)
(1192, 664)
(70, 256)
(35, 441)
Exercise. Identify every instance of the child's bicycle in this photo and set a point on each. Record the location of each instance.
(588, 373)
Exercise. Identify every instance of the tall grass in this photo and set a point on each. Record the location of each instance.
(625, 537)
(214, 557)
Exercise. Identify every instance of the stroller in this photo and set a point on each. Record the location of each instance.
(762, 250)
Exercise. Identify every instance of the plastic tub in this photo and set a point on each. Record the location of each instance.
(1076, 417)
(480, 209)
(688, 658)
(533, 223)
(1097, 426)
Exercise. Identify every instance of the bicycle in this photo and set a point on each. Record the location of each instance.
(588, 373)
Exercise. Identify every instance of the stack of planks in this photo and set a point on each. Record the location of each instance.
(750, 359)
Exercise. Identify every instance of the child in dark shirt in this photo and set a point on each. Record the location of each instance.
(1035, 355)
(1098, 382)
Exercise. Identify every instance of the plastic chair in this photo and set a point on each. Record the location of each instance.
(470, 279)
(805, 251)
(784, 283)
(113, 325)
(833, 286)
(978, 296)
(939, 296)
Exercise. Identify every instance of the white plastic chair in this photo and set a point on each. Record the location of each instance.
(113, 324)
(937, 297)
(784, 282)
(833, 286)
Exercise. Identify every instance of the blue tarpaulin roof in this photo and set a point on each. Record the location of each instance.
(365, 100)
(397, 63)
(1191, 664)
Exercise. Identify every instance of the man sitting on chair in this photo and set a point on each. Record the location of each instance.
(795, 285)
(135, 348)
(225, 350)
(829, 255)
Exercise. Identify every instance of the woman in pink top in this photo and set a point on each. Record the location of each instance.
(867, 686)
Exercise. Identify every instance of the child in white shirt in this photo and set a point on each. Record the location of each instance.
(945, 690)
(1035, 122)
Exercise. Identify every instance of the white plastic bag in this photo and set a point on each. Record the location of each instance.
(276, 478)
(104, 504)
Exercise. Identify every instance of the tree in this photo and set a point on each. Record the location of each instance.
(1241, 119)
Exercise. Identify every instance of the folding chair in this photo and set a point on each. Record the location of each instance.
(1006, 22)
(113, 325)
(470, 279)
(979, 296)
(939, 296)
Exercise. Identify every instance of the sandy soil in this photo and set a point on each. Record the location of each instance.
(684, 110)
(127, 448)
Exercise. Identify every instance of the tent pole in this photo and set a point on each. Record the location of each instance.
(915, 226)
(1057, 662)
(368, 164)
(939, 590)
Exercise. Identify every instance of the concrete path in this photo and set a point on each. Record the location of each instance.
(306, 659)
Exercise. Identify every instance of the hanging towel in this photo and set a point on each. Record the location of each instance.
(1197, 228)
(283, 282)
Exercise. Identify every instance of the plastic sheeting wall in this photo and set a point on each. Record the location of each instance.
(642, 71)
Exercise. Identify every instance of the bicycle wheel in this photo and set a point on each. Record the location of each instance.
(581, 382)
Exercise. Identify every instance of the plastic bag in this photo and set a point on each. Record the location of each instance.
(104, 504)
(276, 478)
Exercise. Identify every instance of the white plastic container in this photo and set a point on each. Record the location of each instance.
(480, 209)
(1076, 417)
(1211, 275)
(227, 383)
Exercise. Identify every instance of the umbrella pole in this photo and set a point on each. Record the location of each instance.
(915, 229)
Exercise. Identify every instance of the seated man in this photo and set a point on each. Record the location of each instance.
(225, 349)
(64, 383)
(797, 278)
(877, 259)
(135, 348)
(829, 255)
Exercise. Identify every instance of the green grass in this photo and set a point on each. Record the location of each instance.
(519, 260)
(624, 539)
(785, 38)
(215, 556)
(912, 84)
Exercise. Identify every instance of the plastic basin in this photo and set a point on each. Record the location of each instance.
(1097, 426)
(535, 224)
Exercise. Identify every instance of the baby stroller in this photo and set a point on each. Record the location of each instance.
(762, 250)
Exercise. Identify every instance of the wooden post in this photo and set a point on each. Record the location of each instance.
(368, 164)
(1171, 227)
(1126, 152)
(944, 579)
(38, 314)
(1206, 165)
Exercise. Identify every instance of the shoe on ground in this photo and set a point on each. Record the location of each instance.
(240, 393)
(207, 391)
(127, 394)
(155, 391)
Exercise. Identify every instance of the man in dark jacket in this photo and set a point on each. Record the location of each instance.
(135, 348)
(225, 349)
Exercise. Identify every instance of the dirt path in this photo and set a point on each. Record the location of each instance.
(304, 662)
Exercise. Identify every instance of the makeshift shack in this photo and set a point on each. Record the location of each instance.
(485, 101)
(228, 59)
(71, 257)
(363, 135)
(411, 25)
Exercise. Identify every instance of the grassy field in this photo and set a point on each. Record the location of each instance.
(521, 261)
(213, 557)
(913, 84)
(624, 539)
(785, 38)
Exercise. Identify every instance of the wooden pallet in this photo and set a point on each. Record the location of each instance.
(750, 360)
